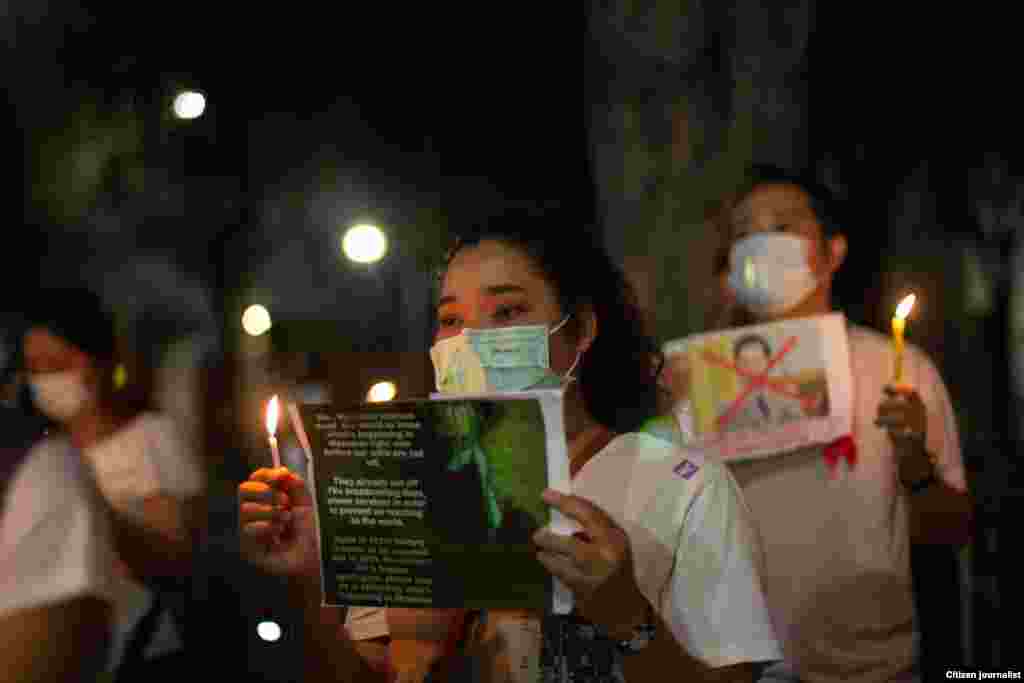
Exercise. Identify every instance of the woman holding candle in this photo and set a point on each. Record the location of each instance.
(838, 521)
(684, 566)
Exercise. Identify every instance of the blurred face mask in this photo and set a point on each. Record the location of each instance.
(497, 360)
(769, 272)
(59, 395)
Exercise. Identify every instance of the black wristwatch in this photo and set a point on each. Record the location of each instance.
(921, 484)
(925, 482)
(643, 634)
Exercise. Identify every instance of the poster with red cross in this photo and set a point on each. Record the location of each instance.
(763, 390)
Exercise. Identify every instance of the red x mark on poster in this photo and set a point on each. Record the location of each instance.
(756, 380)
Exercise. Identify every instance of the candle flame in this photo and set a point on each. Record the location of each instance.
(903, 310)
(273, 410)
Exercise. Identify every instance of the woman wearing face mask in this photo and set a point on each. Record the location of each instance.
(147, 478)
(56, 556)
(665, 547)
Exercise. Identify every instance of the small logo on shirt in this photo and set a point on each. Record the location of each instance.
(685, 469)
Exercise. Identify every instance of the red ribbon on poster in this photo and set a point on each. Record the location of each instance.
(843, 447)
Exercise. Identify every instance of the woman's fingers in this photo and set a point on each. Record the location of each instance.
(261, 535)
(258, 492)
(258, 512)
(276, 526)
(904, 413)
(282, 479)
(270, 475)
(563, 567)
(258, 530)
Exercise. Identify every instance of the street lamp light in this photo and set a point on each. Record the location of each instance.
(364, 243)
(189, 105)
(256, 320)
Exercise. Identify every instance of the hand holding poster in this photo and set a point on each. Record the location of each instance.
(434, 503)
(766, 389)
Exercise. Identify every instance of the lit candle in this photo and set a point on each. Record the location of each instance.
(899, 323)
(273, 410)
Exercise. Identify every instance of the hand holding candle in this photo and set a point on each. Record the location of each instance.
(899, 322)
(902, 412)
(273, 412)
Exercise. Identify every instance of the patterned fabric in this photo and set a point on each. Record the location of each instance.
(572, 651)
(576, 651)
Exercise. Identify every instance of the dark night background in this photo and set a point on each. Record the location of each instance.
(631, 116)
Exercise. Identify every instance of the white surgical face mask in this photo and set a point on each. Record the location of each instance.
(769, 272)
(59, 395)
(495, 360)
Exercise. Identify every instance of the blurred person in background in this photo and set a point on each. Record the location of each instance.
(150, 482)
(56, 546)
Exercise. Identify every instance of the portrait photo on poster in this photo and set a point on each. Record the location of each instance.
(764, 389)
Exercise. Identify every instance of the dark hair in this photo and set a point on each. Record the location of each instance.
(829, 208)
(823, 201)
(749, 340)
(10, 339)
(78, 316)
(617, 374)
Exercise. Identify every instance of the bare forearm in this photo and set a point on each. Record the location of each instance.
(152, 554)
(940, 515)
(62, 643)
(329, 655)
(328, 658)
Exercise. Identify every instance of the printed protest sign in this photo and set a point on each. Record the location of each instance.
(433, 503)
(763, 390)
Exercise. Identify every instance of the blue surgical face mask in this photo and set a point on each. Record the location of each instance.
(500, 359)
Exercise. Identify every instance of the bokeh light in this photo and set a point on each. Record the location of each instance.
(364, 244)
(256, 320)
(269, 631)
(189, 105)
(382, 392)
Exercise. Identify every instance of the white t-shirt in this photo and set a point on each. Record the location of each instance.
(146, 457)
(837, 570)
(695, 553)
(55, 536)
